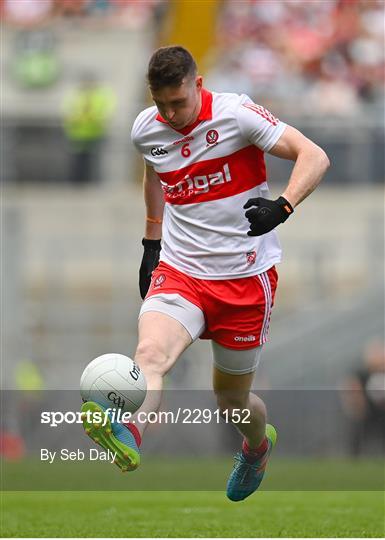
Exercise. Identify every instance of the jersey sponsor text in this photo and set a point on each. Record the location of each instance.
(196, 184)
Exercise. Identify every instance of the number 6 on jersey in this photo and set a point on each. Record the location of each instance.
(186, 152)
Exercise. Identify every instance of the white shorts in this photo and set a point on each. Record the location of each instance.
(232, 361)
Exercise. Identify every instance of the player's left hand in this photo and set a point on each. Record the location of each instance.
(267, 214)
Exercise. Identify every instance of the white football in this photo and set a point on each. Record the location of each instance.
(114, 381)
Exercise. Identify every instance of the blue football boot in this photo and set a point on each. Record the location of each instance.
(246, 477)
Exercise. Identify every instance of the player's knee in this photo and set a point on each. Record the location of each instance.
(151, 358)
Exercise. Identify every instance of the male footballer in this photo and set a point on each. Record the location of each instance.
(210, 245)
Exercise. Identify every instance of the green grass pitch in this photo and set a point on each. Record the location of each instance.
(192, 514)
(299, 498)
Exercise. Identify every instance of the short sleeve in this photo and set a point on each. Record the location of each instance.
(137, 134)
(258, 125)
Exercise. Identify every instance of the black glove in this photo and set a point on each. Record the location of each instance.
(150, 261)
(267, 214)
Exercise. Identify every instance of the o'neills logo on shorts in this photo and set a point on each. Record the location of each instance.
(159, 281)
(245, 338)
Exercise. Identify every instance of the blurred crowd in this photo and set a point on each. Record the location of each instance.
(126, 13)
(318, 57)
(35, 30)
(322, 57)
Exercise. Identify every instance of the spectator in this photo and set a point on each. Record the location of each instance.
(331, 93)
(364, 400)
(87, 111)
(35, 63)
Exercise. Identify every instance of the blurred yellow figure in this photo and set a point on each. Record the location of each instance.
(87, 111)
(28, 377)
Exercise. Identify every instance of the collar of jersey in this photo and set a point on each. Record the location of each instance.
(206, 113)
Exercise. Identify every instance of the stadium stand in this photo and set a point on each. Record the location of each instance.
(330, 54)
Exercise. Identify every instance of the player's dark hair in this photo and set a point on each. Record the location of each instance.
(168, 66)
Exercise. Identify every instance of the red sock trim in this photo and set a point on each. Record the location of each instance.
(135, 431)
(254, 452)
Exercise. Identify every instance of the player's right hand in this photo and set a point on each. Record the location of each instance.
(150, 261)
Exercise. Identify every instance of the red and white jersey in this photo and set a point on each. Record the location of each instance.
(208, 171)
